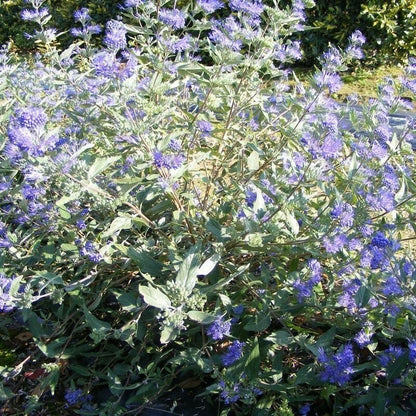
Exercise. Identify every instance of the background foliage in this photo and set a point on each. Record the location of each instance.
(389, 26)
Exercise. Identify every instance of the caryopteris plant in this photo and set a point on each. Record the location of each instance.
(175, 213)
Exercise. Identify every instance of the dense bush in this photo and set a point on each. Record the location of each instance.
(167, 223)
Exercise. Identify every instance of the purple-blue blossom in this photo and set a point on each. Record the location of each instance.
(35, 14)
(168, 161)
(254, 8)
(336, 243)
(172, 17)
(230, 394)
(363, 337)
(234, 353)
(337, 368)
(75, 397)
(133, 3)
(205, 127)
(89, 250)
(344, 213)
(6, 304)
(226, 33)
(82, 15)
(330, 80)
(412, 350)
(115, 35)
(30, 117)
(219, 328)
(108, 65)
(391, 287)
(210, 6)
(390, 355)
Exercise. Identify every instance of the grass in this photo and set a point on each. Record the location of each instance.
(363, 82)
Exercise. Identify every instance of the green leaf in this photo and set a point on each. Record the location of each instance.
(118, 224)
(292, 223)
(362, 297)
(51, 380)
(68, 247)
(81, 370)
(223, 282)
(101, 164)
(201, 317)
(252, 364)
(225, 300)
(395, 368)
(188, 270)
(154, 297)
(65, 199)
(380, 407)
(259, 322)
(253, 161)
(35, 327)
(168, 334)
(282, 338)
(128, 301)
(208, 266)
(95, 323)
(147, 264)
(51, 278)
(53, 348)
(5, 393)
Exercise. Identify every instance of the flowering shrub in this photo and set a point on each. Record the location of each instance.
(165, 220)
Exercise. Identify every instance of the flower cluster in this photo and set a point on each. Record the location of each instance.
(337, 367)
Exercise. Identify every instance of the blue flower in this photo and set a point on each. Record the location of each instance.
(392, 287)
(390, 355)
(219, 328)
(305, 409)
(253, 8)
(226, 33)
(6, 304)
(363, 338)
(172, 17)
(209, 6)
(34, 15)
(91, 252)
(31, 117)
(115, 35)
(412, 350)
(76, 397)
(82, 15)
(344, 212)
(168, 161)
(229, 394)
(205, 127)
(106, 64)
(235, 351)
(337, 367)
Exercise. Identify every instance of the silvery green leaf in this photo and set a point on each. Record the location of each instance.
(201, 317)
(118, 224)
(100, 164)
(188, 271)
(253, 161)
(154, 297)
(208, 265)
(168, 334)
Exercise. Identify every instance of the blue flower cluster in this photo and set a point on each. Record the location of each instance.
(338, 367)
(219, 328)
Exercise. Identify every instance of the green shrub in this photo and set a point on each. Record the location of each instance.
(392, 31)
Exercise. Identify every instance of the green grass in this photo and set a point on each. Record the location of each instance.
(363, 82)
